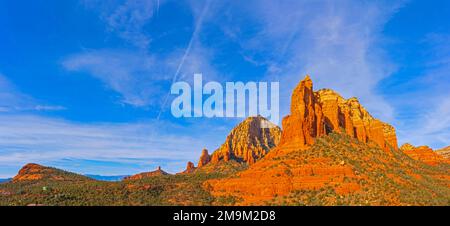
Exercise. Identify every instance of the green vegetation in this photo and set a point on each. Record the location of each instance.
(180, 189)
(385, 178)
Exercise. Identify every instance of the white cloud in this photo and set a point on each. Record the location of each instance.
(127, 18)
(424, 104)
(336, 42)
(141, 78)
(137, 77)
(28, 138)
(431, 127)
(13, 100)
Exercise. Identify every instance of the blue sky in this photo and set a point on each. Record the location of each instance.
(82, 82)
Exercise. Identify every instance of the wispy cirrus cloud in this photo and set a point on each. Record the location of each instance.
(424, 105)
(323, 39)
(44, 140)
(13, 100)
(127, 18)
(138, 77)
(142, 77)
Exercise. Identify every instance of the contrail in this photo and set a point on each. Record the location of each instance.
(157, 8)
(197, 28)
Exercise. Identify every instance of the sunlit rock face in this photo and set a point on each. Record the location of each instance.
(248, 142)
(306, 120)
(445, 152)
(293, 164)
(314, 114)
(349, 116)
(424, 154)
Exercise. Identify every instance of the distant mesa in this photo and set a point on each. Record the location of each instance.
(424, 154)
(106, 178)
(157, 172)
(4, 180)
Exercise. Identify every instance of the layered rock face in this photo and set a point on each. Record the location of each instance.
(248, 142)
(424, 154)
(157, 172)
(352, 118)
(314, 114)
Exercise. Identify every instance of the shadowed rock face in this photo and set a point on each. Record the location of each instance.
(248, 142)
(314, 114)
(424, 154)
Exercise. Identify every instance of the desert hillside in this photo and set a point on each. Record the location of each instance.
(330, 151)
(333, 152)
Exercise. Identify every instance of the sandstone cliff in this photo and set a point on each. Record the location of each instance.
(306, 121)
(314, 114)
(424, 154)
(350, 116)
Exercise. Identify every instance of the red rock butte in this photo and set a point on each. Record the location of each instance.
(314, 114)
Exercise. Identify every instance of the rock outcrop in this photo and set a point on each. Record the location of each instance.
(157, 172)
(349, 116)
(306, 121)
(35, 172)
(205, 158)
(444, 152)
(248, 142)
(424, 154)
(190, 168)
